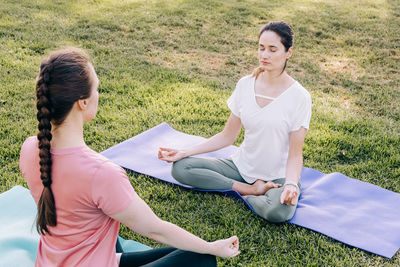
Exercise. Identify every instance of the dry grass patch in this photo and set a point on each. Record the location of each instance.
(341, 65)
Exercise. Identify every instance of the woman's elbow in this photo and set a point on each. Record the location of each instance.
(157, 231)
(228, 138)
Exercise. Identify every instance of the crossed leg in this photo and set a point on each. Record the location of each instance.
(219, 174)
(222, 174)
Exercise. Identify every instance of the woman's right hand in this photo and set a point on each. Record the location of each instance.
(170, 154)
(140, 218)
(226, 248)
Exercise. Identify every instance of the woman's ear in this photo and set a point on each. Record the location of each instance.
(289, 53)
(82, 104)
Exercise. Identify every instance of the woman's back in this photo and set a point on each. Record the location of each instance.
(87, 188)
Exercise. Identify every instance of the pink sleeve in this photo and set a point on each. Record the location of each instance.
(111, 190)
(28, 150)
(29, 166)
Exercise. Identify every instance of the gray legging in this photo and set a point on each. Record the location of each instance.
(220, 174)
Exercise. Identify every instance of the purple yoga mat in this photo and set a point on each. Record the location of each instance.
(353, 212)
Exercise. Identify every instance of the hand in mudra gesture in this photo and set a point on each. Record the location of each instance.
(170, 154)
(289, 195)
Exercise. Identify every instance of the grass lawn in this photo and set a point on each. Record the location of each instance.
(178, 61)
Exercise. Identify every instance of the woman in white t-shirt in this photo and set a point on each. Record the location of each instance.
(275, 111)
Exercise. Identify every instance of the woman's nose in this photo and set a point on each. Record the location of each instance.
(265, 54)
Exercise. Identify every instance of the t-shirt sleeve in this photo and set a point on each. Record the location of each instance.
(28, 151)
(111, 190)
(233, 102)
(302, 116)
(29, 166)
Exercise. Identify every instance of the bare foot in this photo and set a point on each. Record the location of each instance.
(261, 187)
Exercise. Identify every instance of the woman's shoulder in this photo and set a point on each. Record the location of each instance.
(245, 83)
(28, 158)
(103, 164)
(97, 157)
(30, 140)
(245, 80)
(301, 92)
(30, 143)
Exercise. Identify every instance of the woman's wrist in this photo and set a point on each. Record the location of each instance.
(291, 183)
(210, 247)
(185, 153)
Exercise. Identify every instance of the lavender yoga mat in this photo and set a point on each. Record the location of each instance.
(353, 212)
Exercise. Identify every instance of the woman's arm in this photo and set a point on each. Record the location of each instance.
(293, 166)
(141, 219)
(223, 139)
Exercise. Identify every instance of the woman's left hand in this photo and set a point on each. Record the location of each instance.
(289, 195)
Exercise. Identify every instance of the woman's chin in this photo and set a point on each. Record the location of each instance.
(271, 69)
(266, 67)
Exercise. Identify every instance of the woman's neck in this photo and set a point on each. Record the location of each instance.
(68, 134)
(273, 78)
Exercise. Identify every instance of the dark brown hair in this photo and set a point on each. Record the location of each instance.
(284, 31)
(63, 79)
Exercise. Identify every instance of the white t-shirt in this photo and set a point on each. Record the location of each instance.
(264, 151)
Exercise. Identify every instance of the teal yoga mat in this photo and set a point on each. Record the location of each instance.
(359, 214)
(18, 237)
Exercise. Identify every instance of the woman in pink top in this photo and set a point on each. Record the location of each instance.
(81, 196)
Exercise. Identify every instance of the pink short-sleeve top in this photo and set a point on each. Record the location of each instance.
(87, 188)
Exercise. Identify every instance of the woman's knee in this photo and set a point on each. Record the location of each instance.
(280, 214)
(189, 258)
(271, 209)
(207, 260)
(180, 170)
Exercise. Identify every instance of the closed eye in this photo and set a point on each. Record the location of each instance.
(273, 48)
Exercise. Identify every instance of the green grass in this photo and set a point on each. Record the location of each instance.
(178, 61)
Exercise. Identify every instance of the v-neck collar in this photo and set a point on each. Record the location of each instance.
(253, 95)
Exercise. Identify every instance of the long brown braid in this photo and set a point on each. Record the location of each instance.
(63, 79)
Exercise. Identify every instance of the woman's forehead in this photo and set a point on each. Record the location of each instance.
(268, 38)
(93, 73)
